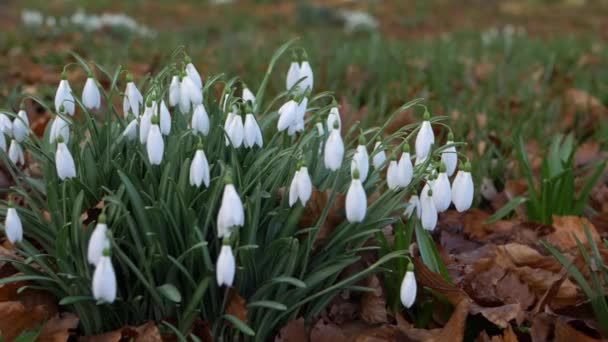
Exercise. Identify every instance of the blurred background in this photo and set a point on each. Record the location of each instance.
(497, 69)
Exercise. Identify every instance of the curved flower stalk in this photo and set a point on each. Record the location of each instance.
(356, 200)
(64, 97)
(301, 186)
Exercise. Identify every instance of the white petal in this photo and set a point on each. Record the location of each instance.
(406, 170)
(59, 127)
(226, 267)
(155, 145)
(131, 130)
(248, 96)
(15, 153)
(231, 213)
(408, 289)
(428, 213)
(360, 162)
(413, 207)
(91, 98)
(462, 191)
(104, 281)
(442, 194)
(356, 202)
(293, 190)
(392, 175)
(320, 129)
(12, 226)
(304, 185)
(287, 115)
(174, 91)
(6, 125)
(199, 169)
(200, 120)
(2, 142)
(449, 157)
(379, 157)
(20, 126)
(64, 162)
(424, 140)
(97, 243)
(64, 97)
(237, 131)
(253, 134)
(165, 119)
(144, 125)
(136, 100)
(293, 75)
(334, 115)
(194, 75)
(184, 95)
(306, 73)
(334, 151)
(193, 91)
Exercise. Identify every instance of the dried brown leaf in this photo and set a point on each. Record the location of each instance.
(373, 304)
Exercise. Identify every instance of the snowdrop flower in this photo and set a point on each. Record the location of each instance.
(287, 115)
(145, 121)
(334, 149)
(442, 192)
(130, 131)
(64, 97)
(235, 130)
(231, 213)
(155, 144)
(428, 211)
(200, 120)
(15, 153)
(199, 168)
(248, 96)
(253, 134)
(413, 206)
(360, 160)
(408, 289)
(133, 98)
(189, 94)
(64, 161)
(91, 98)
(356, 200)
(379, 157)
(301, 187)
(449, 157)
(306, 75)
(104, 279)
(424, 140)
(392, 174)
(98, 241)
(293, 75)
(298, 123)
(174, 91)
(405, 167)
(2, 142)
(6, 125)
(225, 267)
(334, 115)
(59, 127)
(320, 129)
(193, 74)
(462, 188)
(21, 126)
(165, 119)
(12, 226)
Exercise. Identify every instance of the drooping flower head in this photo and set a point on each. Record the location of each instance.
(408, 290)
(442, 192)
(91, 97)
(334, 149)
(12, 226)
(64, 97)
(98, 242)
(104, 279)
(64, 162)
(356, 200)
(231, 214)
(424, 139)
(449, 156)
(301, 186)
(225, 266)
(463, 188)
(360, 160)
(199, 168)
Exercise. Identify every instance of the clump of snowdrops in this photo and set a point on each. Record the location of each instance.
(195, 189)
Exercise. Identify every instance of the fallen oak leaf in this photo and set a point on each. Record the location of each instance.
(58, 328)
(147, 332)
(294, 331)
(567, 226)
(373, 304)
(236, 305)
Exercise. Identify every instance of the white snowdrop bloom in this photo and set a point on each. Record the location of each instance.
(2, 142)
(225, 267)
(293, 75)
(133, 99)
(231, 213)
(145, 122)
(253, 134)
(64, 97)
(12, 226)
(189, 94)
(334, 115)
(15, 153)
(165, 119)
(130, 131)
(98, 241)
(413, 207)
(155, 144)
(227, 124)
(442, 193)
(392, 175)
(225, 102)
(306, 76)
(334, 150)
(174, 91)
(462, 189)
(21, 126)
(91, 97)
(199, 169)
(301, 187)
(408, 289)
(428, 211)
(236, 131)
(379, 157)
(360, 162)
(298, 124)
(449, 157)
(406, 169)
(424, 140)
(59, 127)
(320, 129)
(287, 115)
(104, 280)
(248, 96)
(194, 75)
(356, 200)
(200, 120)
(64, 162)
(6, 125)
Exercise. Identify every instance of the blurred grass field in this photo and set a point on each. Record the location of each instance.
(498, 69)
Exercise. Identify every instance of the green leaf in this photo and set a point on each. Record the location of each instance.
(240, 325)
(506, 209)
(269, 304)
(75, 299)
(170, 292)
